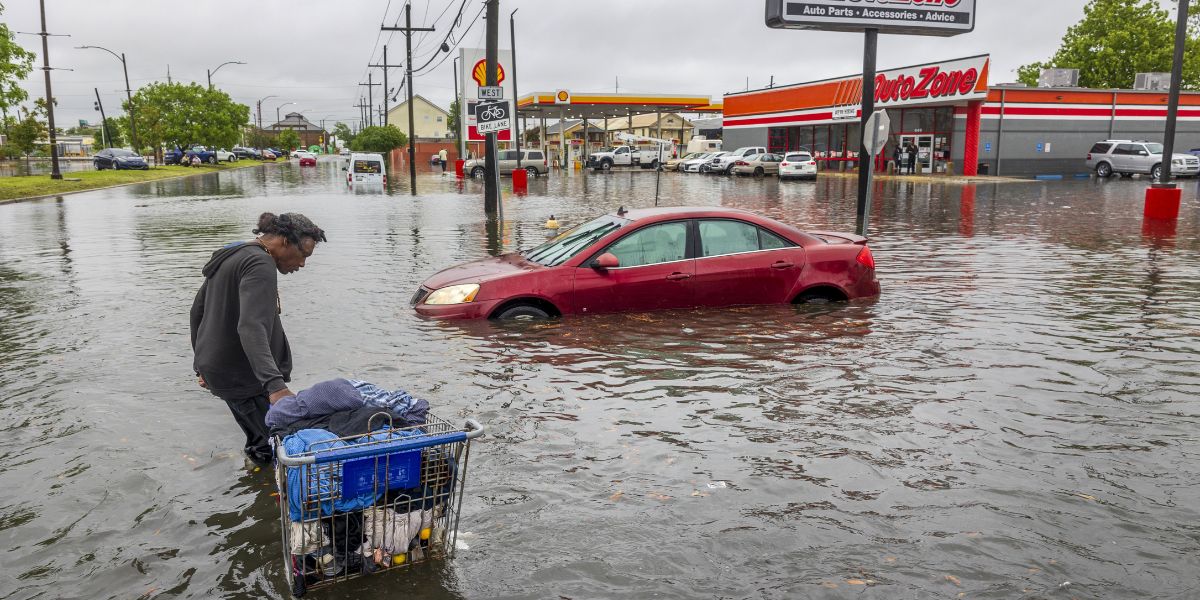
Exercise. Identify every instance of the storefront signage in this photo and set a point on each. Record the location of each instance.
(929, 82)
(845, 112)
(473, 85)
(912, 17)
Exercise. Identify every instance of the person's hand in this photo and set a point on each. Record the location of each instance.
(281, 394)
(200, 380)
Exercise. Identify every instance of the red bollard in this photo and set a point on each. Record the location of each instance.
(520, 179)
(1162, 203)
(458, 168)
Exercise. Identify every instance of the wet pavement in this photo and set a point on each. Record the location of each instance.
(1015, 417)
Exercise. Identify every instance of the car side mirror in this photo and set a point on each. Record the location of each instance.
(345, 169)
(607, 260)
(1143, 153)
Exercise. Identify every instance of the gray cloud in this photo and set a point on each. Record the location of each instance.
(314, 53)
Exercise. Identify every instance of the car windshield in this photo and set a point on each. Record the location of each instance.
(573, 241)
(1154, 148)
(120, 152)
(797, 157)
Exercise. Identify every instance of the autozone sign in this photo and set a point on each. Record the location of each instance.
(913, 17)
(957, 80)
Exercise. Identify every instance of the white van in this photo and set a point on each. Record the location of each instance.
(703, 144)
(365, 169)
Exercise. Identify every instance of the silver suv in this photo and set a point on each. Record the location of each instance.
(1126, 157)
(533, 161)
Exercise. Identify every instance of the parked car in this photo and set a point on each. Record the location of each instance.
(365, 169)
(278, 153)
(177, 155)
(268, 155)
(648, 157)
(700, 165)
(798, 165)
(344, 152)
(758, 165)
(676, 164)
(243, 152)
(724, 163)
(224, 155)
(1126, 157)
(118, 158)
(533, 161)
(656, 258)
(307, 159)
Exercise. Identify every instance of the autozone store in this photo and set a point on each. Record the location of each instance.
(958, 123)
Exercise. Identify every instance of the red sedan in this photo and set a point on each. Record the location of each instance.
(659, 258)
(307, 159)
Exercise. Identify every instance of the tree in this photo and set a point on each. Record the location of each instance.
(455, 119)
(379, 139)
(25, 133)
(258, 138)
(342, 131)
(15, 65)
(288, 139)
(178, 113)
(1117, 39)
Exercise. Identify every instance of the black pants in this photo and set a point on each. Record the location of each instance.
(251, 416)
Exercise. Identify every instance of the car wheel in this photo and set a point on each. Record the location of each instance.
(758, 172)
(1104, 170)
(477, 172)
(532, 171)
(605, 165)
(523, 312)
(1156, 172)
(654, 164)
(729, 170)
(212, 160)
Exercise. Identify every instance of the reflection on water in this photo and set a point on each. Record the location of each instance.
(41, 166)
(1017, 410)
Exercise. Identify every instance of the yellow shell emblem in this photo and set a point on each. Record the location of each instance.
(479, 73)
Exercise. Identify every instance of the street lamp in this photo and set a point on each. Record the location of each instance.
(128, 93)
(277, 110)
(259, 108)
(210, 73)
(324, 132)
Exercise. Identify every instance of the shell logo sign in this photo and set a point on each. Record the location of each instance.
(562, 97)
(479, 73)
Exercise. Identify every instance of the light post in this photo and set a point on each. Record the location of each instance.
(324, 132)
(277, 110)
(210, 73)
(259, 108)
(128, 94)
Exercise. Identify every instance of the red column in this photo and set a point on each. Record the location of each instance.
(971, 144)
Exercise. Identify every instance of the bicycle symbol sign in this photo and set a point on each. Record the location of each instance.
(492, 117)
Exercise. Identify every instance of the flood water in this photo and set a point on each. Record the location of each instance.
(1015, 417)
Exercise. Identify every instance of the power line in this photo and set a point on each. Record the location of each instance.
(456, 44)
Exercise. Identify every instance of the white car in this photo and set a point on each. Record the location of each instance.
(700, 165)
(798, 165)
(224, 155)
(724, 164)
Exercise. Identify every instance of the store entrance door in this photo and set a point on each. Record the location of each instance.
(924, 144)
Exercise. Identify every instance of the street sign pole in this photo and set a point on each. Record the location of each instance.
(875, 135)
(866, 162)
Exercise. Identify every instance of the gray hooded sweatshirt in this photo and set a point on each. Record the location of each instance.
(238, 339)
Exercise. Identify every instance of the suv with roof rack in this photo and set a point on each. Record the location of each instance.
(1126, 157)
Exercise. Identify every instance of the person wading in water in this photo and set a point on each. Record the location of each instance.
(242, 355)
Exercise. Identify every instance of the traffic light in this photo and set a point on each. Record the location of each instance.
(95, 105)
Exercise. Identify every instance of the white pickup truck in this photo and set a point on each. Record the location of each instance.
(647, 157)
(724, 164)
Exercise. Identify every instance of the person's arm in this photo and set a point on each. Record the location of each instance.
(257, 296)
(197, 313)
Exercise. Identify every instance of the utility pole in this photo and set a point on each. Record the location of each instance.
(54, 172)
(370, 99)
(362, 116)
(103, 119)
(512, 36)
(386, 91)
(132, 114)
(408, 30)
(491, 186)
(865, 157)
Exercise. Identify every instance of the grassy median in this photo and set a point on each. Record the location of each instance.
(32, 186)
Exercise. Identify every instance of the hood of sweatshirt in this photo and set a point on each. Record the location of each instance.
(218, 257)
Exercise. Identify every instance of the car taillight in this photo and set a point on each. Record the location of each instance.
(1089, 156)
(385, 180)
(865, 259)
(742, 163)
(784, 164)
(812, 163)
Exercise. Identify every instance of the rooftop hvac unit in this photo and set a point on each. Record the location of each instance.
(1059, 78)
(1152, 81)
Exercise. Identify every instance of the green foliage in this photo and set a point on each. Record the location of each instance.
(1117, 39)
(15, 65)
(288, 139)
(379, 139)
(455, 119)
(342, 131)
(177, 113)
(118, 130)
(27, 129)
(258, 138)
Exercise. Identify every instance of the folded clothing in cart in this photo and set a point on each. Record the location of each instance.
(339, 395)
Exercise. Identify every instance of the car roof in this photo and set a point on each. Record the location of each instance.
(686, 212)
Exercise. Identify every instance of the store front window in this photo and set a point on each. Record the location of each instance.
(927, 129)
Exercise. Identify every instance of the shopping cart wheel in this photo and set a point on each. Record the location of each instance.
(298, 587)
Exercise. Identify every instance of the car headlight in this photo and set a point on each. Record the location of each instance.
(455, 294)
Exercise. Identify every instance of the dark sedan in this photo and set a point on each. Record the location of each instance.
(242, 152)
(657, 258)
(118, 158)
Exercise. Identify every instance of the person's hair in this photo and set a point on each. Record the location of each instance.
(290, 226)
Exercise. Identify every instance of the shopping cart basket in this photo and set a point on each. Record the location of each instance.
(371, 502)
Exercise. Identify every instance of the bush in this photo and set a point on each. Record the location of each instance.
(379, 139)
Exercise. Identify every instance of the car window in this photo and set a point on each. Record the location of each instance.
(1154, 148)
(1127, 149)
(573, 241)
(622, 150)
(367, 166)
(797, 157)
(652, 245)
(770, 241)
(727, 237)
(770, 158)
(1100, 148)
(119, 152)
(536, 156)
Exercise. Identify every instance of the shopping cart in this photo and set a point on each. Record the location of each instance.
(368, 503)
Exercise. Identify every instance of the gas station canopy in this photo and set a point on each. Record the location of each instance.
(565, 104)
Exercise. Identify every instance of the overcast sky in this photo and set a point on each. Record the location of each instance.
(315, 52)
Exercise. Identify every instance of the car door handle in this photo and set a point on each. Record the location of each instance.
(782, 265)
(678, 276)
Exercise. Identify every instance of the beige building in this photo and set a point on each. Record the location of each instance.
(430, 121)
(674, 127)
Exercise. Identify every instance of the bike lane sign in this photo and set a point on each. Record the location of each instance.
(492, 117)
